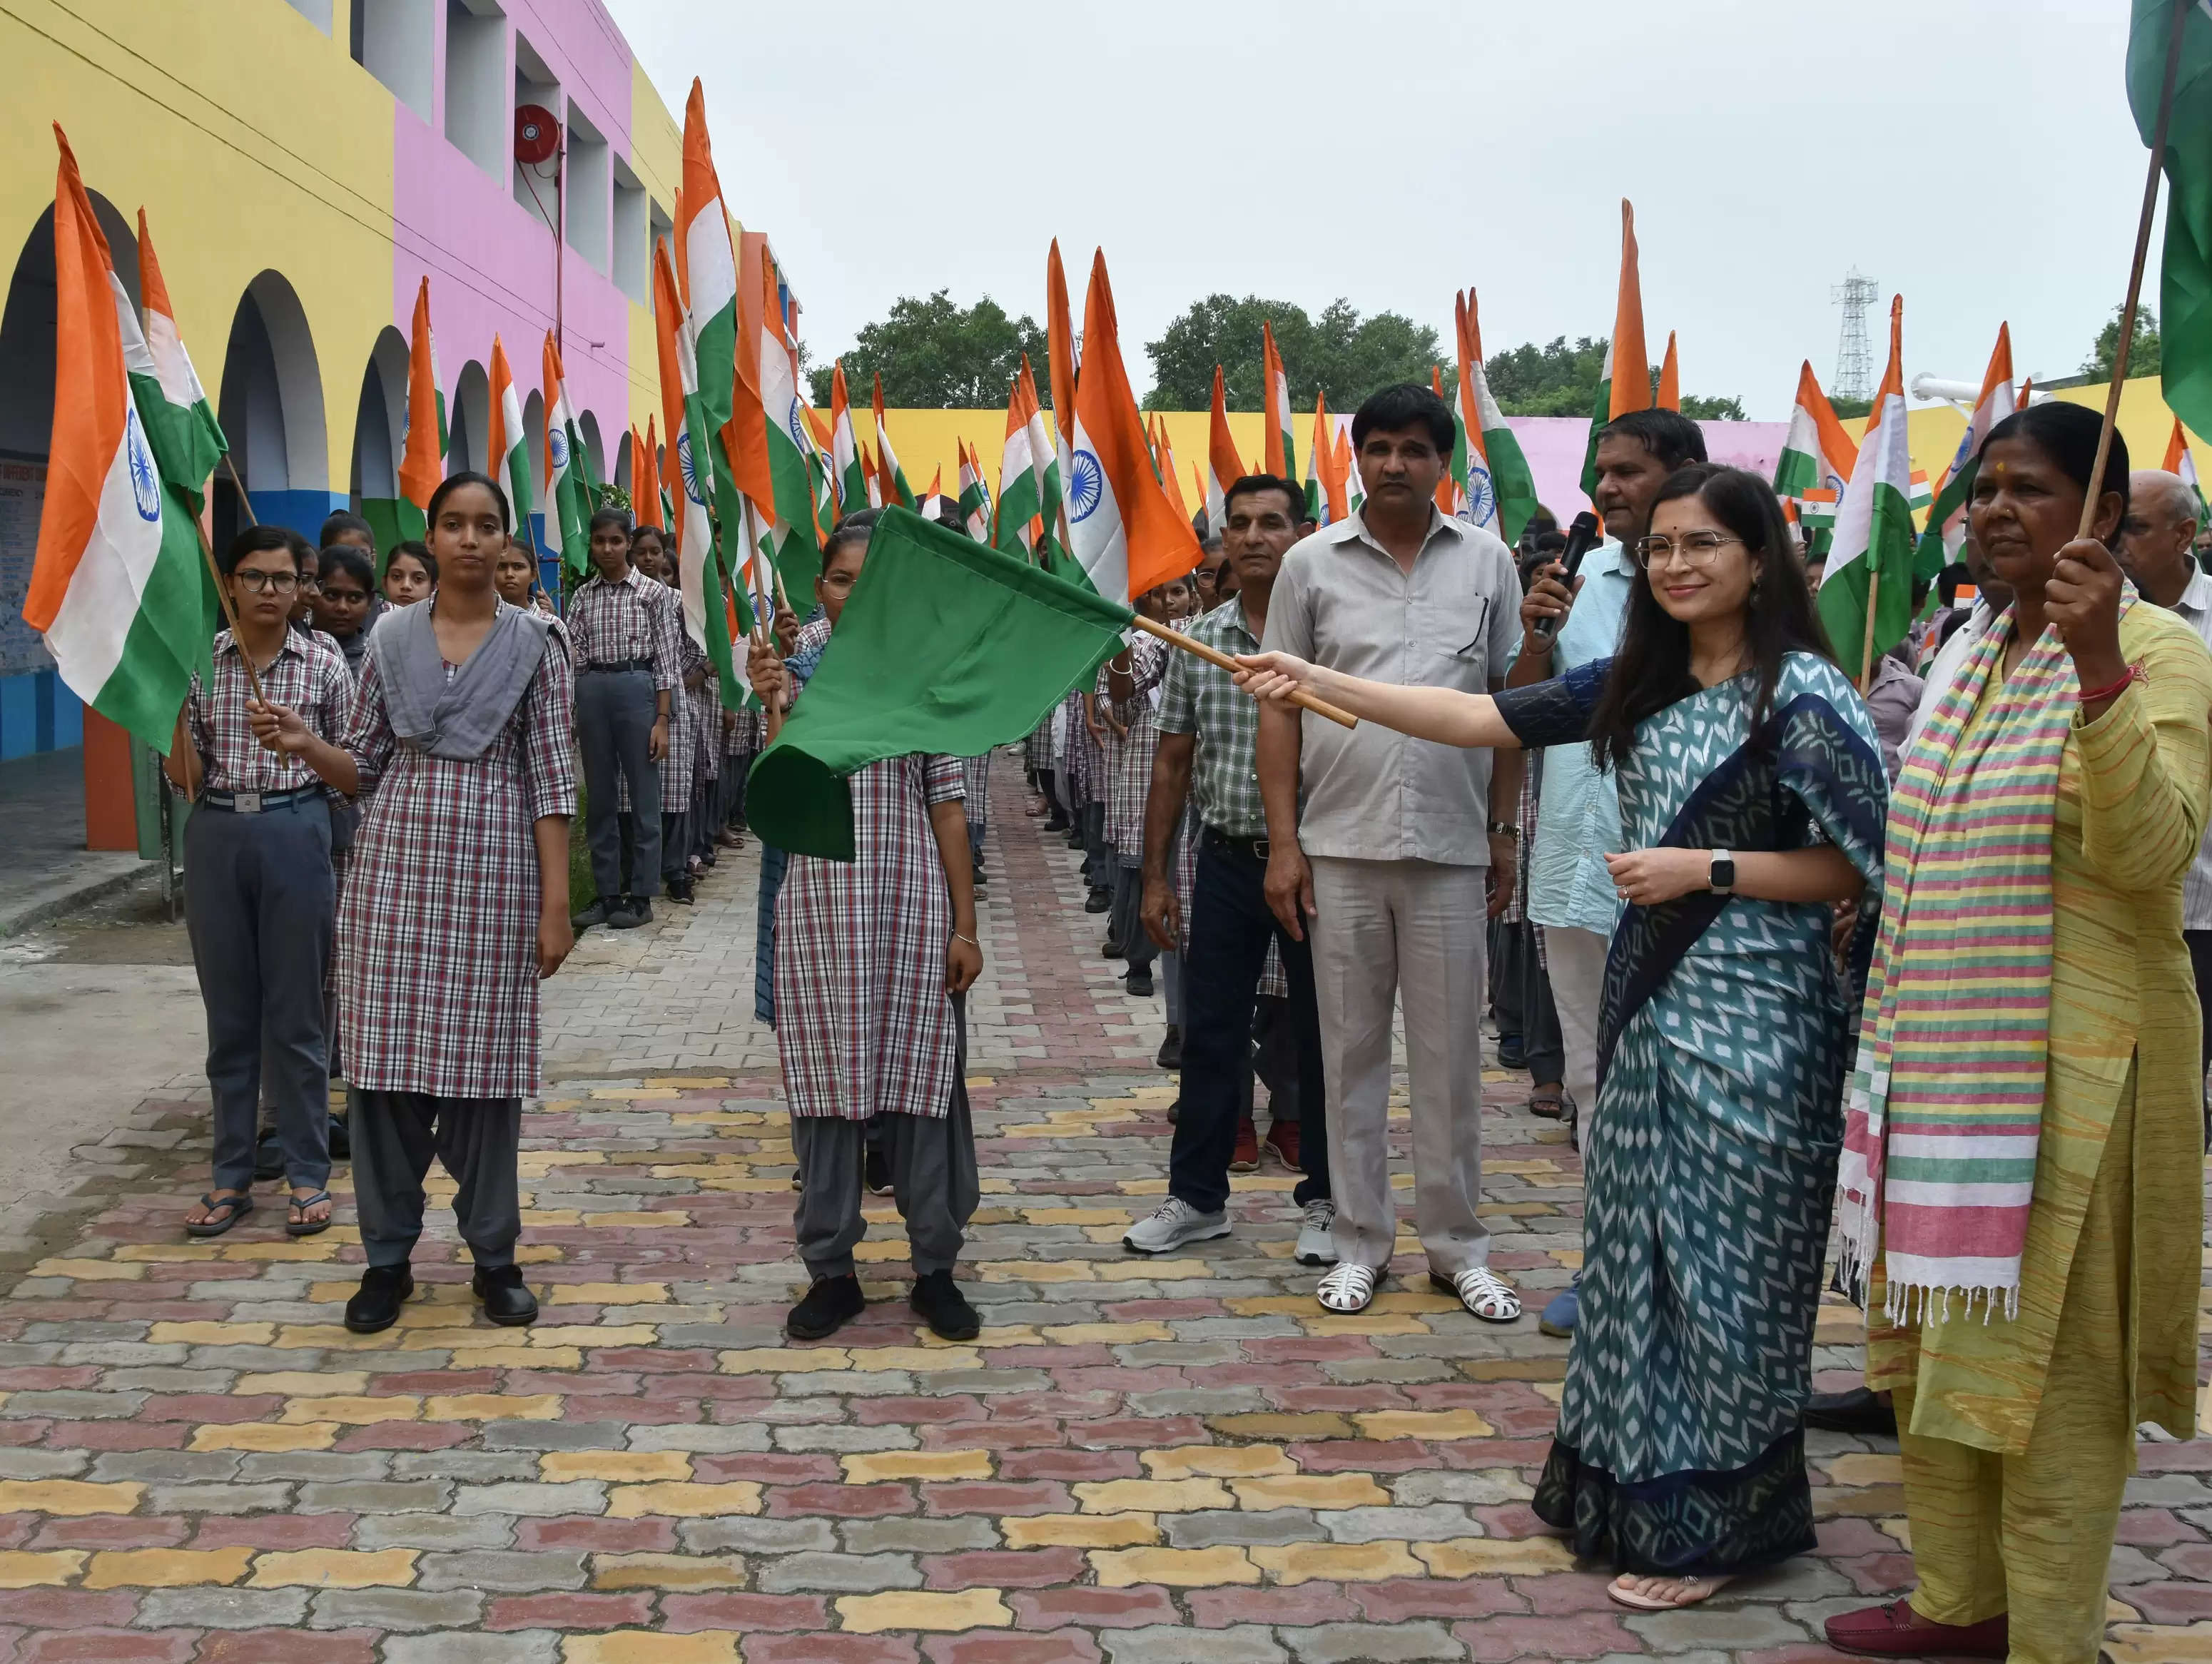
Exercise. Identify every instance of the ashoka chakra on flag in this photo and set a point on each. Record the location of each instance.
(1088, 486)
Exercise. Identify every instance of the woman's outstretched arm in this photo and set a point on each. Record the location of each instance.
(1444, 714)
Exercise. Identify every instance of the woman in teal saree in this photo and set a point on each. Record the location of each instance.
(1753, 795)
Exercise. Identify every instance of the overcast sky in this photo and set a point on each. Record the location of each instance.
(1975, 155)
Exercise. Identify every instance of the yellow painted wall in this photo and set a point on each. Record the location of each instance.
(926, 439)
(657, 157)
(2145, 422)
(195, 123)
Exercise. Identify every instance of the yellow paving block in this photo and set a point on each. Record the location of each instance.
(635, 1094)
(782, 1360)
(266, 1437)
(1282, 1425)
(914, 1609)
(941, 1357)
(1346, 1562)
(1864, 1468)
(591, 1334)
(870, 1466)
(690, 1083)
(1495, 1556)
(336, 1569)
(1150, 1495)
(1178, 1567)
(640, 1218)
(1106, 1334)
(1245, 1183)
(667, 1572)
(608, 1294)
(166, 1568)
(325, 1246)
(1308, 1491)
(534, 1163)
(1002, 1334)
(683, 1500)
(333, 1338)
(303, 1383)
(1035, 1216)
(70, 1496)
(1035, 1271)
(165, 1254)
(1142, 1187)
(1190, 1462)
(619, 1466)
(487, 1357)
(549, 1216)
(91, 1270)
(1137, 1269)
(1424, 1424)
(510, 1344)
(211, 1334)
(400, 1406)
(22, 1570)
(1080, 1530)
(650, 1646)
(493, 1407)
(1325, 1323)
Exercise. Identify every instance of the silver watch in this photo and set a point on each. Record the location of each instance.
(1720, 879)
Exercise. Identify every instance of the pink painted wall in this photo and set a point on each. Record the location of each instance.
(1554, 447)
(489, 259)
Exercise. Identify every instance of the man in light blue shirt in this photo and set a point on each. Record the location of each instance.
(1571, 897)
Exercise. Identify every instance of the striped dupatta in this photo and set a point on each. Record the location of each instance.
(1945, 1107)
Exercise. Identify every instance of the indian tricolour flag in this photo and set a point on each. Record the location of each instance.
(1817, 458)
(568, 514)
(848, 476)
(1624, 381)
(1323, 446)
(1275, 388)
(509, 449)
(1946, 517)
(1128, 535)
(1021, 488)
(896, 489)
(783, 435)
(933, 498)
(1060, 351)
(1868, 575)
(1347, 470)
(115, 586)
(1451, 484)
(187, 441)
(698, 563)
(2179, 461)
(423, 465)
(1224, 467)
(1501, 491)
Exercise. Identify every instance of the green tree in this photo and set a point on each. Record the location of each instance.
(1556, 380)
(1704, 407)
(934, 355)
(1846, 409)
(1340, 354)
(2143, 352)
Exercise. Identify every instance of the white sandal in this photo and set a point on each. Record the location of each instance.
(1483, 1292)
(1696, 1590)
(1348, 1289)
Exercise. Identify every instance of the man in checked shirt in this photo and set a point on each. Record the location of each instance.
(258, 892)
(627, 669)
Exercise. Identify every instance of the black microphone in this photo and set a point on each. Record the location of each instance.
(1582, 536)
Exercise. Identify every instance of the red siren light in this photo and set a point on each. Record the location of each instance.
(537, 134)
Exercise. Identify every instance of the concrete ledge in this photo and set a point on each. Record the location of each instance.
(94, 876)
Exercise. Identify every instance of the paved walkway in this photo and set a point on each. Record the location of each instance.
(48, 871)
(1149, 1461)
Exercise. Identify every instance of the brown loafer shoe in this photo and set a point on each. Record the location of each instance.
(1896, 1632)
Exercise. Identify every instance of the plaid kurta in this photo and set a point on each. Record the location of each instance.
(679, 765)
(437, 930)
(309, 675)
(1130, 780)
(975, 788)
(863, 1023)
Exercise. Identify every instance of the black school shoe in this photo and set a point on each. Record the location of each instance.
(1139, 983)
(829, 1305)
(375, 1305)
(681, 890)
(1098, 900)
(876, 1173)
(598, 913)
(506, 1300)
(937, 1299)
(1171, 1053)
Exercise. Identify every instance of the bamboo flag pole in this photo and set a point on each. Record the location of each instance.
(2181, 10)
(222, 595)
(1301, 698)
(1866, 648)
(245, 502)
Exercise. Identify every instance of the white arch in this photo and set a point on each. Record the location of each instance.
(27, 326)
(590, 425)
(306, 452)
(468, 420)
(533, 428)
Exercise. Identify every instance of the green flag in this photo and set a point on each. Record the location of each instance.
(947, 646)
(2185, 281)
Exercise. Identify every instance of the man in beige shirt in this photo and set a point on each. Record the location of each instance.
(1397, 851)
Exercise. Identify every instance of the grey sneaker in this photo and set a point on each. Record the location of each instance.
(1176, 1222)
(1317, 1233)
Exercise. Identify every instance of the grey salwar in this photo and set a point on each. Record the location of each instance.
(932, 1163)
(476, 1140)
(259, 901)
(615, 714)
(1412, 930)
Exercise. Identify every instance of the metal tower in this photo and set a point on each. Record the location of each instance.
(1854, 355)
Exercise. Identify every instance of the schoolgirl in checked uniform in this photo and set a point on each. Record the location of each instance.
(872, 957)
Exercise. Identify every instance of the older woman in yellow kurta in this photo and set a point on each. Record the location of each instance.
(2022, 1169)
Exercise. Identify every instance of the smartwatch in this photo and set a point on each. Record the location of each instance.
(1720, 880)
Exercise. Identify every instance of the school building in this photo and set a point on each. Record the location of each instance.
(302, 165)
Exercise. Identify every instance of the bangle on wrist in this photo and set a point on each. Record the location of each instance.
(2111, 690)
(969, 940)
